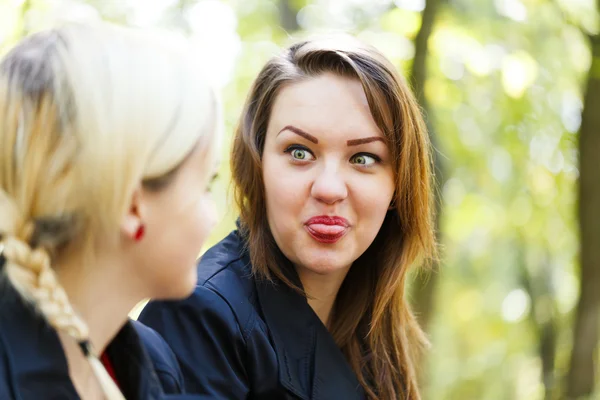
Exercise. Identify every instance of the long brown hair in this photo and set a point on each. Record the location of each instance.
(371, 320)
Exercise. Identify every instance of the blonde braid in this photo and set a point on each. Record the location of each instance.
(31, 274)
(37, 154)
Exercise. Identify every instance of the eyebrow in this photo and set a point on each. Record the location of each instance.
(309, 137)
(300, 132)
(356, 142)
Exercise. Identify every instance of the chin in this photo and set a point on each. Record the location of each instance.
(324, 265)
(189, 286)
(181, 288)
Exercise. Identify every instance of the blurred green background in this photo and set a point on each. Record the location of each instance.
(512, 309)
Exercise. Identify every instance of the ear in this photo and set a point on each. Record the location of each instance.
(134, 218)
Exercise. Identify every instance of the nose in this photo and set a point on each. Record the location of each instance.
(329, 186)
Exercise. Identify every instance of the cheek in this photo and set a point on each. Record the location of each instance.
(196, 223)
(283, 186)
(373, 197)
(191, 224)
(205, 216)
(196, 218)
(285, 195)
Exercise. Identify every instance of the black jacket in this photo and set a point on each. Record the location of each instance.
(240, 338)
(33, 365)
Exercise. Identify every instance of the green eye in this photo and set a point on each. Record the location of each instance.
(364, 159)
(299, 154)
(360, 160)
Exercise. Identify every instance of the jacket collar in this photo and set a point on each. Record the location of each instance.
(311, 364)
(37, 361)
(133, 368)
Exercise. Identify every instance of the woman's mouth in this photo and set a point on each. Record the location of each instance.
(326, 229)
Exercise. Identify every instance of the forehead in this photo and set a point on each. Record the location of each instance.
(326, 103)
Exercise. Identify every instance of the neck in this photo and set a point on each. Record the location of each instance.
(321, 291)
(100, 295)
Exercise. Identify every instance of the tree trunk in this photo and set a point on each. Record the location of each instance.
(543, 316)
(581, 376)
(287, 16)
(424, 286)
(25, 7)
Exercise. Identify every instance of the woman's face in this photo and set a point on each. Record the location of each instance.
(177, 220)
(328, 173)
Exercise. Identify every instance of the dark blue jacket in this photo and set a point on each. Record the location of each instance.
(33, 365)
(237, 337)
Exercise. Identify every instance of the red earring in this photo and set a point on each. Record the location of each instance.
(139, 234)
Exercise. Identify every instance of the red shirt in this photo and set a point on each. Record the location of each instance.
(109, 367)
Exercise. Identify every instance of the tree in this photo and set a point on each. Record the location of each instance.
(424, 289)
(287, 16)
(543, 316)
(581, 376)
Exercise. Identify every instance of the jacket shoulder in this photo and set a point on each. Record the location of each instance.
(208, 339)
(225, 270)
(163, 359)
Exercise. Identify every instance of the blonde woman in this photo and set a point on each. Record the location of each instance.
(107, 147)
(306, 299)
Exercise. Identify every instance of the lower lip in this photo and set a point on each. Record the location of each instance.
(326, 233)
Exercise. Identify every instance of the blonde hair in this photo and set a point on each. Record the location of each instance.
(87, 114)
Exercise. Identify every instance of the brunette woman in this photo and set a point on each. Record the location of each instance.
(306, 299)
